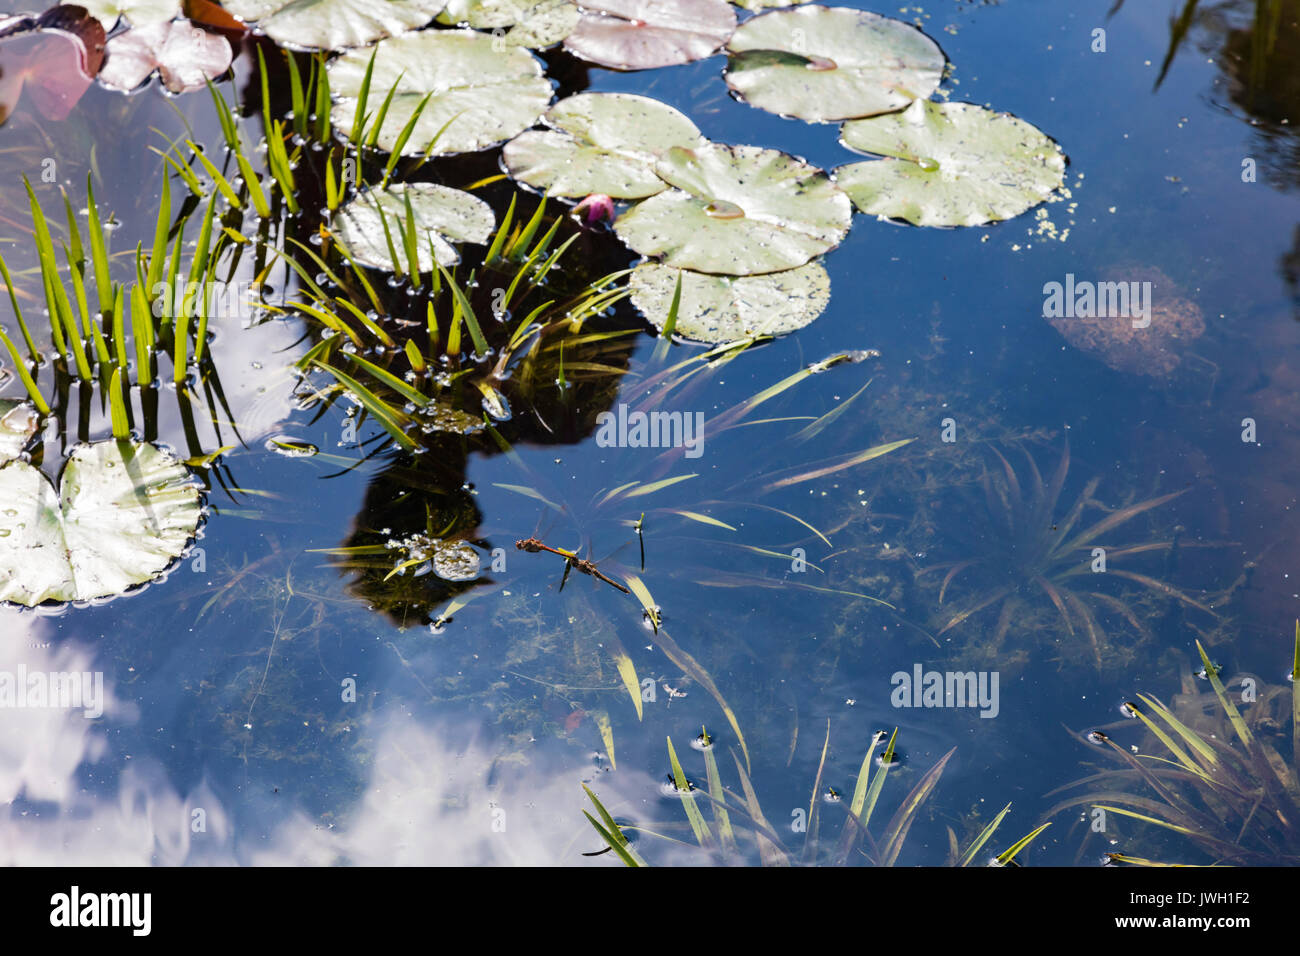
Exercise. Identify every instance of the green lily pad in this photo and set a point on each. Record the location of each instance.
(645, 34)
(600, 143)
(333, 24)
(18, 423)
(139, 12)
(482, 94)
(738, 210)
(125, 512)
(442, 216)
(950, 164)
(718, 309)
(535, 24)
(823, 64)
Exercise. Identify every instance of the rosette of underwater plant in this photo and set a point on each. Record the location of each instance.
(535, 24)
(737, 210)
(824, 64)
(949, 164)
(430, 217)
(333, 24)
(458, 89)
(122, 513)
(603, 143)
(718, 309)
(645, 34)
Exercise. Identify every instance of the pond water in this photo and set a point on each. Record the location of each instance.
(271, 700)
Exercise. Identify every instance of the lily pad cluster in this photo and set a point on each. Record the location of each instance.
(122, 513)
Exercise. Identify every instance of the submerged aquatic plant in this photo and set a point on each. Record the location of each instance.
(1216, 775)
(736, 825)
(1024, 552)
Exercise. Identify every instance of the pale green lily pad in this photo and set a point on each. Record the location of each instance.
(950, 164)
(483, 94)
(646, 34)
(442, 216)
(124, 513)
(718, 309)
(738, 210)
(823, 64)
(535, 24)
(333, 24)
(18, 423)
(139, 12)
(600, 143)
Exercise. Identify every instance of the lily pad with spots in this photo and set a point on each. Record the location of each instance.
(950, 164)
(718, 309)
(123, 513)
(535, 24)
(824, 64)
(738, 210)
(442, 216)
(333, 24)
(646, 34)
(605, 143)
(481, 93)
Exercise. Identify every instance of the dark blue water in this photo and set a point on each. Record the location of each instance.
(467, 743)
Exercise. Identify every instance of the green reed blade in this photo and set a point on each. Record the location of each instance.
(18, 313)
(119, 331)
(1009, 854)
(323, 103)
(359, 120)
(373, 137)
(224, 117)
(494, 250)
(387, 416)
(392, 381)
(20, 367)
(402, 137)
(221, 182)
(463, 306)
(411, 240)
(703, 835)
(141, 324)
(518, 249)
(260, 205)
(77, 252)
(161, 230)
(117, 404)
(99, 250)
(897, 830)
(984, 836)
(297, 95)
(415, 357)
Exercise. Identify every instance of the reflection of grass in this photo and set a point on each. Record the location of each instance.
(1023, 553)
(737, 820)
(1237, 800)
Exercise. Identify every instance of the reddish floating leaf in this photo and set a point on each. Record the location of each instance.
(184, 56)
(55, 57)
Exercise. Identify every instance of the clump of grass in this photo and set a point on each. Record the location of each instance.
(1231, 794)
(736, 825)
